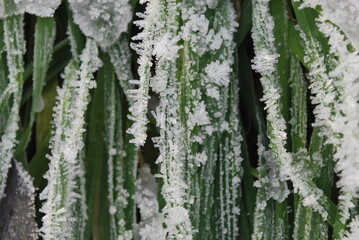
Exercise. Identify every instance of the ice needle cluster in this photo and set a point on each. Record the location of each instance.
(64, 208)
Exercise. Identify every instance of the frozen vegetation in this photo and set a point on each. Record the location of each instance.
(168, 119)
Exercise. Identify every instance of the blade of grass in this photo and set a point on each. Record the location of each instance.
(245, 21)
(118, 195)
(43, 48)
(98, 226)
(65, 195)
(265, 63)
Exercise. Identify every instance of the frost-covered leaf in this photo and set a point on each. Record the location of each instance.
(191, 124)
(121, 163)
(121, 60)
(42, 8)
(65, 209)
(140, 95)
(334, 81)
(344, 14)
(103, 20)
(15, 45)
(265, 63)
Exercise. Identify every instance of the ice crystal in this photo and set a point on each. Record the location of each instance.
(353, 233)
(151, 226)
(64, 209)
(144, 48)
(218, 73)
(121, 59)
(42, 8)
(344, 14)
(15, 44)
(103, 20)
(262, 33)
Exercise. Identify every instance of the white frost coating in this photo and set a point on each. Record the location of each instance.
(353, 233)
(199, 117)
(15, 45)
(25, 182)
(144, 48)
(345, 122)
(195, 29)
(64, 208)
(218, 73)
(151, 225)
(336, 95)
(120, 56)
(342, 13)
(41, 8)
(273, 182)
(265, 63)
(166, 48)
(103, 20)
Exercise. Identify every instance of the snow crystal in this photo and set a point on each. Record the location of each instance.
(213, 92)
(103, 20)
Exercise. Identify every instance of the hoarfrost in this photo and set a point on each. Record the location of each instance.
(167, 48)
(353, 233)
(262, 34)
(15, 44)
(199, 117)
(103, 20)
(144, 48)
(65, 209)
(151, 225)
(41, 8)
(344, 14)
(218, 73)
